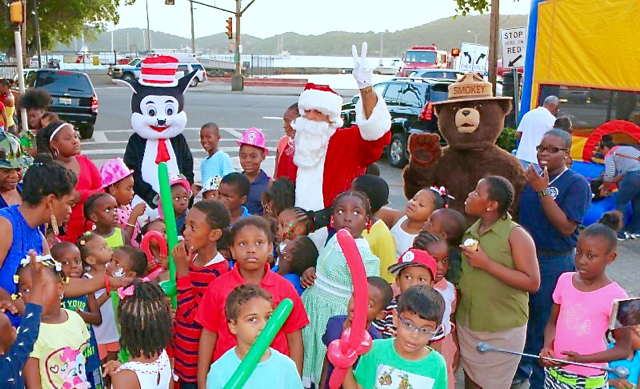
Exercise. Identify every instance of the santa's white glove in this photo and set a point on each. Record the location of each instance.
(362, 71)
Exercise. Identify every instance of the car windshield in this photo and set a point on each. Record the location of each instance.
(197, 67)
(421, 57)
(436, 74)
(439, 92)
(63, 82)
(134, 62)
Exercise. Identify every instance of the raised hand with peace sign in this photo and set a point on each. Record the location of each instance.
(362, 71)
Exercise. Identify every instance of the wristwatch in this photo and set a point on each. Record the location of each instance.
(543, 193)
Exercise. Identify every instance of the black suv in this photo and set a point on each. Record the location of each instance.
(73, 98)
(409, 102)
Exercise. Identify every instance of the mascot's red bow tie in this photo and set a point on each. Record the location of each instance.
(163, 153)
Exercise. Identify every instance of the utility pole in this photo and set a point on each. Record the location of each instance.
(237, 81)
(148, 29)
(37, 26)
(193, 30)
(17, 18)
(23, 32)
(494, 34)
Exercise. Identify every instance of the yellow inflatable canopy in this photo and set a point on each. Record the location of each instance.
(587, 43)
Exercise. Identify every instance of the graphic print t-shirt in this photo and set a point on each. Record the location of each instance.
(60, 352)
(383, 368)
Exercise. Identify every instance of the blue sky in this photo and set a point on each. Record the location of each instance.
(266, 18)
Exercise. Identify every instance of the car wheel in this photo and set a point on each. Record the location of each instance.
(86, 132)
(194, 82)
(128, 77)
(397, 150)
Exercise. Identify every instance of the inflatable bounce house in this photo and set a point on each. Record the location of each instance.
(587, 55)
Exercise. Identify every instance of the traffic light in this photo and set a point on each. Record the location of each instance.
(230, 28)
(455, 52)
(15, 12)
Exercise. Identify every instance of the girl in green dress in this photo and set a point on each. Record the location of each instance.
(329, 283)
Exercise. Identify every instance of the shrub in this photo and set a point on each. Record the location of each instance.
(507, 140)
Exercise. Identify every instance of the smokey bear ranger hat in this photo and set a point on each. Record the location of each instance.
(470, 87)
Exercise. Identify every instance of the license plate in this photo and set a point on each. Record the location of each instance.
(65, 100)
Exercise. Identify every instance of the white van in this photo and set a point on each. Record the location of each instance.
(188, 62)
(186, 68)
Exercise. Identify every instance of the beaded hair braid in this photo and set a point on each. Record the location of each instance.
(360, 195)
(301, 216)
(145, 320)
(47, 261)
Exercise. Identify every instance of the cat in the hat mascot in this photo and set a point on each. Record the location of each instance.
(158, 120)
(326, 157)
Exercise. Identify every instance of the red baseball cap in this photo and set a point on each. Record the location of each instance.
(415, 257)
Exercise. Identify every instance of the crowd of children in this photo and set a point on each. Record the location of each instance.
(244, 248)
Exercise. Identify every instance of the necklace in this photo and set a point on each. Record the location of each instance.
(558, 176)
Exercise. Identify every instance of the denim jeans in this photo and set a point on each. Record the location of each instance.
(540, 303)
(629, 190)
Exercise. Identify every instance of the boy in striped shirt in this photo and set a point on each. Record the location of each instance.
(198, 263)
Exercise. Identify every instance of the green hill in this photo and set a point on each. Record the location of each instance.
(447, 33)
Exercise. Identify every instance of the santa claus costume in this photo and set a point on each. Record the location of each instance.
(326, 157)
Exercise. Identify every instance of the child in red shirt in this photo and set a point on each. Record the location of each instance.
(198, 263)
(251, 248)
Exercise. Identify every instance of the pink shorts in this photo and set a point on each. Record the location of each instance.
(104, 349)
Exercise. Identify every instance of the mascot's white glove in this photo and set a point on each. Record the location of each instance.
(362, 71)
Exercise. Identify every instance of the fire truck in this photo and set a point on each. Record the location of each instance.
(423, 57)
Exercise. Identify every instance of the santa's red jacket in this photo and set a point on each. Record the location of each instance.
(349, 152)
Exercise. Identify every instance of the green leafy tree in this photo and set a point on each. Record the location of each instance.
(464, 7)
(61, 21)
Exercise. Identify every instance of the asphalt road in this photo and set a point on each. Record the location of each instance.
(262, 108)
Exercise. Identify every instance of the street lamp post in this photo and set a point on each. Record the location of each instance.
(475, 46)
(237, 83)
(193, 31)
(475, 42)
(148, 29)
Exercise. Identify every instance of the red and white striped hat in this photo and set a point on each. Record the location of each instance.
(159, 71)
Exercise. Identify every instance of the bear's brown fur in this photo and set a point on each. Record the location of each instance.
(467, 158)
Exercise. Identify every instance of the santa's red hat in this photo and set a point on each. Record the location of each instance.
(159, 71)
(323, 99)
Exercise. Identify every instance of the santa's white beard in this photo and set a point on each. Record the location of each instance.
(311, 143)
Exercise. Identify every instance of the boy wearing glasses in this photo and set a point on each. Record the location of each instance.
(406, 361)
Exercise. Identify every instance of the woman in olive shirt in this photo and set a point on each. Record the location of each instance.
(496, 280)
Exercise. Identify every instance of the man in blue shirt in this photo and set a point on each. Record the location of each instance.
(552, 207)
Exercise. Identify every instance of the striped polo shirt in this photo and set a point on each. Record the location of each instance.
(186, 330)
